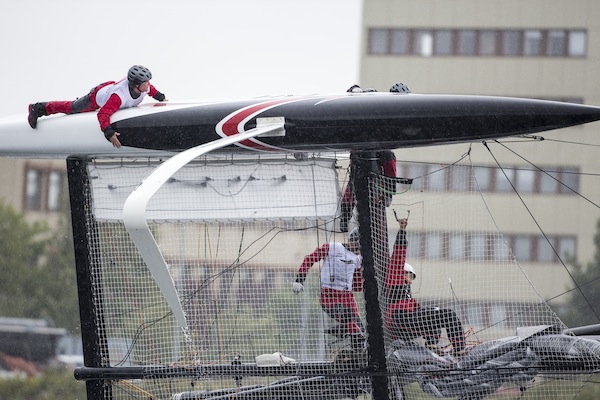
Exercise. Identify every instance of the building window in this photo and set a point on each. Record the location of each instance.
(566, 247)
(434, 246)
(499, 250)
(479, 42)
(556, 43)
(418, 171)
(525, 182)
(577, 44)
(498, 315)
(466, 43)
(511, 43)
(55, 182)
(423, 43)
(503, 180)
(487, 43)
(475, 315)
(378, 41)
(569, 178)
(474, 246)
(550, 180)
(544, 250)
(560, 180)
(416, 248)
(443, 42)
(33, 190)
(456, 247)
(400, 42)
(482, 176)
(436, 179)
(521, 246)
(43, 189)
(532, 43)
(479, 247)
(549, 183)
(459, 179)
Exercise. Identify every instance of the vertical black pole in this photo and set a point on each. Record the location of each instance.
(91, 320)
(364, 164)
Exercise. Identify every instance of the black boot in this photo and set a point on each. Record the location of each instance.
(35, 111)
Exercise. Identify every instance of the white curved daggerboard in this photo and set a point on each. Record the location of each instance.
(134, 212)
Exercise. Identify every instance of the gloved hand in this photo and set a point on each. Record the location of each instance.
(297, 287)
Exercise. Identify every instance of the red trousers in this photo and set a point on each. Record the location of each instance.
(82, 104)
(341, 306)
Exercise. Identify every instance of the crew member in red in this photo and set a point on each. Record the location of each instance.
(386, 163)
(405, 318)
(341, 274)
(108, 98)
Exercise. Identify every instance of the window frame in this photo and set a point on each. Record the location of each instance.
(505, 42)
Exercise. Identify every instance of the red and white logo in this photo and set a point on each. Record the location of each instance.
(233, 124)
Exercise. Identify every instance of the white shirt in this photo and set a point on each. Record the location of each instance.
(121, 89)
(339, 267)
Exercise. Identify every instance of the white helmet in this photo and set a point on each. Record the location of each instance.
(409, 268)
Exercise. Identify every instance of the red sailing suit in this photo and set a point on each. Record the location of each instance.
(386, 161)
(340, 275)
(404, 317)
(116, 96)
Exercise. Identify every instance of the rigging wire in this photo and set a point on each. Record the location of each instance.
(455, 297)
(549, 175)
(572, 142)
(542, 231)
(536, 138)
(236, 264)
(446, 166)
(572, 289)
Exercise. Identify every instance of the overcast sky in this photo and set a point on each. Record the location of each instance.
(58, 50)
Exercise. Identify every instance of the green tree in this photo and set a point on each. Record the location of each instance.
(584, 303)
(57, 297)
(37, 272)
(21, 252)
(53, 384)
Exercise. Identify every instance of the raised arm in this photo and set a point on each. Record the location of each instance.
(395, 271)
(317, 255)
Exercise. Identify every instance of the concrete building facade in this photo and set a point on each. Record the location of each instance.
(35, 187)
(535, 49)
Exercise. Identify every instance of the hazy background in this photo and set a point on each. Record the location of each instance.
(58, 50)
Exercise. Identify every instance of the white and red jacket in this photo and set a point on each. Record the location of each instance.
(341, 268)
(396, 289)
(114, 96)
